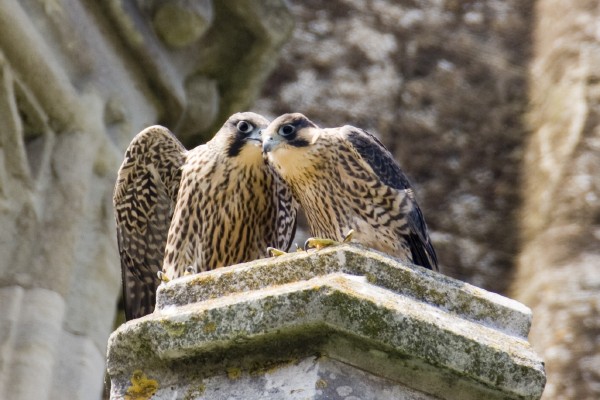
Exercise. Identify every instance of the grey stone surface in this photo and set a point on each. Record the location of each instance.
(79, 372)
(340, 304)
(237, 51)
(457, 297)
(31, 330)
(307, 378)
(180, 23)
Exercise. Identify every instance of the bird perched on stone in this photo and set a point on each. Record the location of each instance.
(218, 204)
(345, 179)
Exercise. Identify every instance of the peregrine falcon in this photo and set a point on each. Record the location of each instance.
(218, 204)
(345, 179)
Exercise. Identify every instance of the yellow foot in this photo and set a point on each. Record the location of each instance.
(321, 243)
(275, 252)
(163, 277)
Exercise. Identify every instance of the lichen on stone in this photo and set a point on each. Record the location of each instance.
(173, 328)
(195, 391)
(210, 327)
(234, 373)
(142, 388)
(321, 384)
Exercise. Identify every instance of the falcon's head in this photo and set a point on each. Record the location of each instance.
(240, 136)
(291, 142)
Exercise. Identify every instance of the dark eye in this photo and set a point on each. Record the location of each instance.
(244, 127)
(287, 130)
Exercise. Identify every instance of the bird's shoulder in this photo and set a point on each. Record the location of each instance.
(376, 155)
(201, 158)
(156, 141)
(155, 150)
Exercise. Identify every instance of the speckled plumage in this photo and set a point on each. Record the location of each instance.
(344, 178)
(218, 204)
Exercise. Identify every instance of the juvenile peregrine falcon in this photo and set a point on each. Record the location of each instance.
(216, 205)
(344, 178)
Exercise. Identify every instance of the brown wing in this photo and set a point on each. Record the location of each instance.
(389, 172)
(144, 198)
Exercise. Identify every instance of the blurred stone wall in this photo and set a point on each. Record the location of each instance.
(78, 79)
(559, 267)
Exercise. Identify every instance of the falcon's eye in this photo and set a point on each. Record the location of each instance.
(287, 130)
(244, 127)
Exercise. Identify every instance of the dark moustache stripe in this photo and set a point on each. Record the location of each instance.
(298, 142)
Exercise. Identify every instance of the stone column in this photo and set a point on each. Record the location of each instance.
(559, 267)
(341, 323)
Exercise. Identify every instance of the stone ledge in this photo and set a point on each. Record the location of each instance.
(397, 323)
(454, 296)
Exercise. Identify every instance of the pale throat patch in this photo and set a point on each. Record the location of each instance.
(291, 161)
(251, 153)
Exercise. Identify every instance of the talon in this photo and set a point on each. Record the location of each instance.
(348, 236)
(319, 243)
(189, 271)
(162, 276)
(275, 252)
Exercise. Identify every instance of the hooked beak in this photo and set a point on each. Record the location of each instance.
(270, 143)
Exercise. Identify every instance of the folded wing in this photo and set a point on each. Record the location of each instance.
(389, 172)
(144, 199)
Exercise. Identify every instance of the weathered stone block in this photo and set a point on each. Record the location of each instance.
(322, 325)
(31, 327)
(79, 371)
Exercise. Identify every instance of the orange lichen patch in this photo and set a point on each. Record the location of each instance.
(142, 388)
